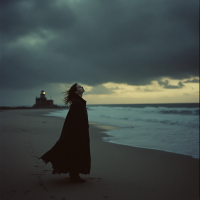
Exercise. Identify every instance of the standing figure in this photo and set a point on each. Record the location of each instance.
(71, 153)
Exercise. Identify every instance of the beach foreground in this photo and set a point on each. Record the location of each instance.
(118, 172)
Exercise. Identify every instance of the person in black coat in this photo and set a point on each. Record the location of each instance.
(71, 153)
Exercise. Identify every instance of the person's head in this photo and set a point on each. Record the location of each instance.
(74, 90)
(79, 90)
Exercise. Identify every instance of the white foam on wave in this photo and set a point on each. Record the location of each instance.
(186, 111)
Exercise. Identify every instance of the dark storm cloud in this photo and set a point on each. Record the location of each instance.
(20, 18)
(94, 42)
(195, 80)
(166, 85)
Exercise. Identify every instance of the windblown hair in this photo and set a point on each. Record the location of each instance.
(70, 94)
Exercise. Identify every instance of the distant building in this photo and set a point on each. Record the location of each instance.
(42, 101)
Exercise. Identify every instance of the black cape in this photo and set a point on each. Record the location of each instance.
(72, 151)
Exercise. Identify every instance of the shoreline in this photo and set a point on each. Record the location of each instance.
(102, 127)
(117, 171)
(107, 128)
(33, 107)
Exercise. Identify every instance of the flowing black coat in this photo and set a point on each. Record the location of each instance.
(72, 151)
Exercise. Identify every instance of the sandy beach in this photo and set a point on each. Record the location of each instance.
(118, 172)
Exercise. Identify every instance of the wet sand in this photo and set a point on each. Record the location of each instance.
(118, 172)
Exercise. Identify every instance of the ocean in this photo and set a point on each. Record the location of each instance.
(167, 127)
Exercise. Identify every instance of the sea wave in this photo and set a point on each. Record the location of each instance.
(168, 129)
(127, 117)
(164, 110)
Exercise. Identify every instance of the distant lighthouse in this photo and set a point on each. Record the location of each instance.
(43, 102)
(42, 95)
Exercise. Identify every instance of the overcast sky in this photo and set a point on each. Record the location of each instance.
(141, 44)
